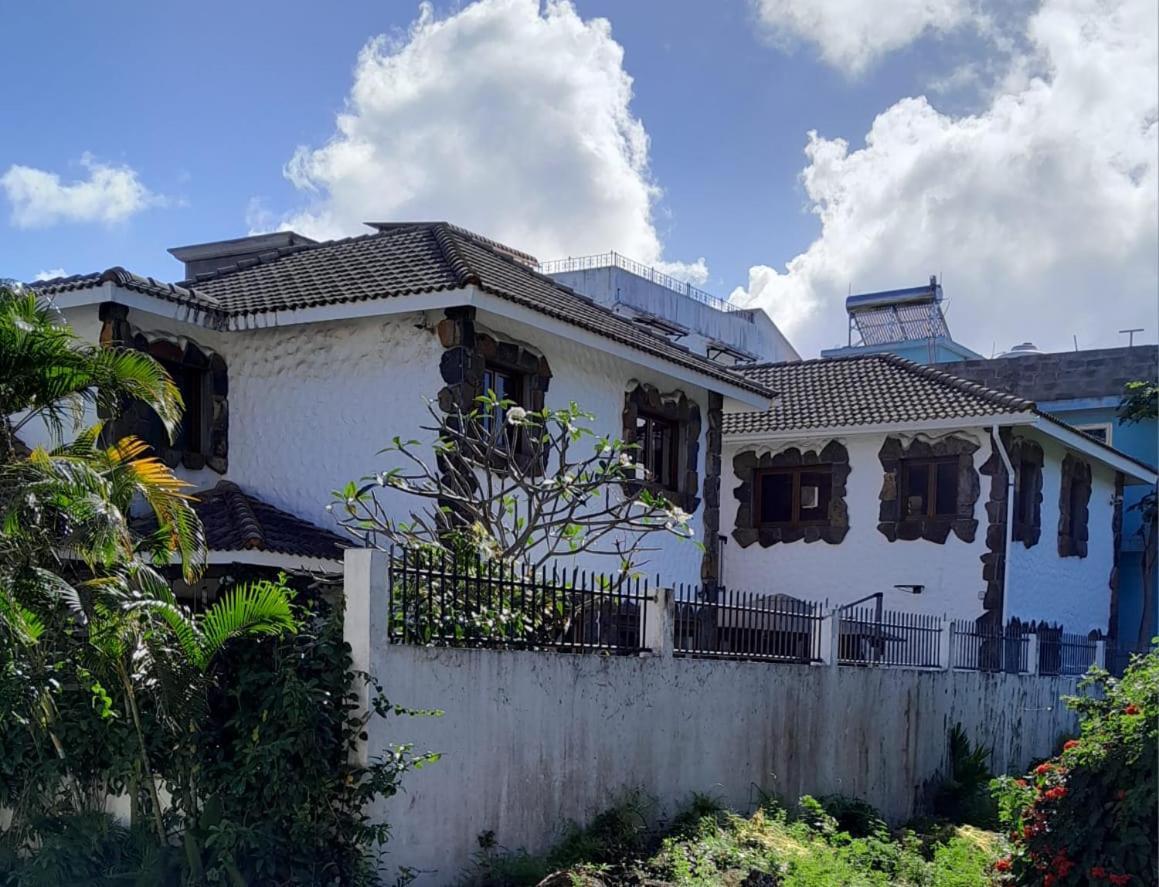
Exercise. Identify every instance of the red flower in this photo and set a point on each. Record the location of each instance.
(1069, 744)
(1119, 880)
(1043, 769)
(1056, 793)
(1097, 871)
(1131, 709)
(1048, 880)
(1021, 783)
(1002, 865)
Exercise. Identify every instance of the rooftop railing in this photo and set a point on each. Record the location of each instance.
(615, 260)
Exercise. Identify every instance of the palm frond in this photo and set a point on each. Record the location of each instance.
(261, 607)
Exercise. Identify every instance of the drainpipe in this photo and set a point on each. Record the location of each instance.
(1000, 448)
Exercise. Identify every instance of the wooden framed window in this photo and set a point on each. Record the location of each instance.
(505, 384)
(658, 440)
(1025, 505)
(929, 487)
(795, 496)
(195, 384)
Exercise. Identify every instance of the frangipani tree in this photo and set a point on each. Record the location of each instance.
(519, 487)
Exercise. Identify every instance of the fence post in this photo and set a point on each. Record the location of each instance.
(1101, 653)
(659, 622)
(366, 608)
(834, 637)
(1032, 654)
(945, 644)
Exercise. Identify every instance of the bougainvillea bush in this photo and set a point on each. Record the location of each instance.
(1088, 815)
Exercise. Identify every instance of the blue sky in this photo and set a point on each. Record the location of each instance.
(198, 112)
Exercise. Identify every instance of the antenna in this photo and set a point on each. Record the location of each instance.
(1131, 334)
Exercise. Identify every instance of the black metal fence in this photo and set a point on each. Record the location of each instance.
(873, 636)
(439, 599)
(989, 647)
(1062, 653)
(718, 623)
(1119, 655)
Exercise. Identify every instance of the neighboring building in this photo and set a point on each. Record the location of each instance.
(1084, 389)
(875, 474)
(907, 322)
(698, 320)
(298, 361)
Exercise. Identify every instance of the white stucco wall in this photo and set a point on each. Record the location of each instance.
(311, 405)
(1070, 590)
(865, 561)
(597, 381)
(532, 740)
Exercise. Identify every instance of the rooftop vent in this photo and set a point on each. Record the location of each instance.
(1026, 349)
(201, 258)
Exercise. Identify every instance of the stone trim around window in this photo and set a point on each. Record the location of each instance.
(713, 438)
(933, 529)
(747, 464)
(467, 354)
(675, 407)
(994, 557)
(1025, 452)
(116, 330)
(1074, 510)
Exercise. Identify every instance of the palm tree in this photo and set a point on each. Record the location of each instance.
(48, 374)
(68, 538)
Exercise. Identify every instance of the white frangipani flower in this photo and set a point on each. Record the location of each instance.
(516, 415)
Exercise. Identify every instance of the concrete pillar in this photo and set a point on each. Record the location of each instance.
(830, 635)
(366, 611)
(1101, 653)
(945, 645)
(1032, 654)
(659, 622)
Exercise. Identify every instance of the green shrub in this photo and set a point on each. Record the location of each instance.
(963, 797)
(1088, 815)
(858, 818)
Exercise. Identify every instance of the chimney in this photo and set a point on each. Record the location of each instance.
(200, 258)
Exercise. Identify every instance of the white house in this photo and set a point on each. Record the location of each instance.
(875, 474)
(299, 361)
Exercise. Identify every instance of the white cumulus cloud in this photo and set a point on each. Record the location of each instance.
(50, 274)
(108, 194)
(508, 117)
(852, 34)
(1041, 212)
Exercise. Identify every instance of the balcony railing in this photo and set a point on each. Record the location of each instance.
(615, 260)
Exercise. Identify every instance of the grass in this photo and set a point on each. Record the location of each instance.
(707, 846)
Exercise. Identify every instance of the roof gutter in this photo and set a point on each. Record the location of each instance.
(1134, 472)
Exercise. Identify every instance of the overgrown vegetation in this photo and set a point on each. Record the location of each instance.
(707, 846)
(228, 731)
(1089, 815)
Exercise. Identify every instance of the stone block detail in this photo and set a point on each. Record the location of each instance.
(893, 526)
(1074, 496)
(746, 464)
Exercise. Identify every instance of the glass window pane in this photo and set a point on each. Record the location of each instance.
(1025, 503)
(915, 483)
(946, 495)
(776, 498)
(816, 491)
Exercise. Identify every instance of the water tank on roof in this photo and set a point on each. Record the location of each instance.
(1026, 349)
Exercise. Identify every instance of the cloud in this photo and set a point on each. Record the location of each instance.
(1040, 212)
(50, 274)
(508, 118)
(109, 194)
(852, 34)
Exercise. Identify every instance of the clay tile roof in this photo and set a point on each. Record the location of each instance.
(865, 390)
(400, 260)
(171, 292)
(237, 521)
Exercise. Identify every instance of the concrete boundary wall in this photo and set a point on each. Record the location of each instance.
(530, 740)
